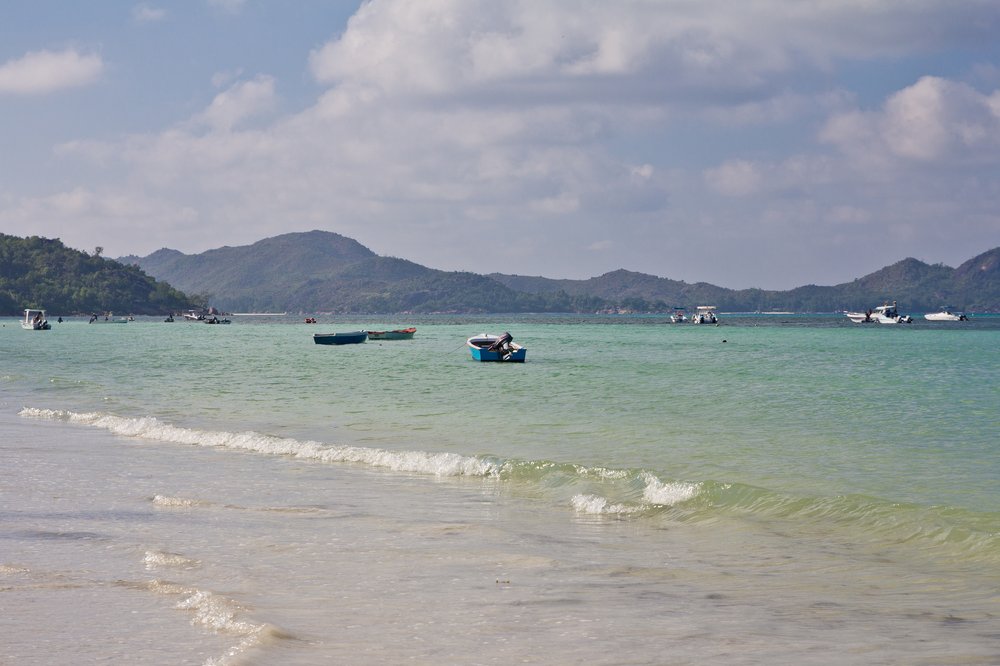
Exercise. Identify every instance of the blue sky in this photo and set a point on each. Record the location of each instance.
(766, 143)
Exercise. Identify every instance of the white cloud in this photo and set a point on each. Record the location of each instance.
(934, 121)
(240, 102)
(40, 72)
(148, 14)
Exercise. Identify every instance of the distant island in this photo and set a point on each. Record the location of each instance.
(321, 271)
(39, 272)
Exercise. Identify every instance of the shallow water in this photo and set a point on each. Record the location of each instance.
(775, 489)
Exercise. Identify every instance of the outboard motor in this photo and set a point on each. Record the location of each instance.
(501, 342)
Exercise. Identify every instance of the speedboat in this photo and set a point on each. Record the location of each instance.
(945, 315)
(883, 314)
(34, 320)
(192, 315)
(348, 338)
(489, 347)
(705, 315)
(678, 316)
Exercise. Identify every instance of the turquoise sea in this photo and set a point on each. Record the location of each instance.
(775, 489)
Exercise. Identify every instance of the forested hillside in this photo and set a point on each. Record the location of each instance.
(320, 271)
(39, 272)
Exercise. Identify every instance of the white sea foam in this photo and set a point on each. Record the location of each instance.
(183, 502)
(656, 493)
(668, 494)
(155, 559)
(595, 504)
(148, 428)
(220, 615)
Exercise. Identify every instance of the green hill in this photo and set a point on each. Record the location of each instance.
(43, 273)
(322, 271)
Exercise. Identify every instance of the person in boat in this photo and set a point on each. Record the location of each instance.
(60, 319)
(93, 318)
(37, 320)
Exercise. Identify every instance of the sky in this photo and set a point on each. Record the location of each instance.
(760, 143)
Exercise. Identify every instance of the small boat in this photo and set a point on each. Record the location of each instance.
(678, 317)
(109, 318)
(215, 320)
(705, 315)
(34, 320)
(946, 315)
(398, 334)
(349, 338)
(192, 315)
(883, 314)
(488, 347)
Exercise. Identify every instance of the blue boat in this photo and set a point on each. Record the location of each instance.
(349, 338)
(489, 347)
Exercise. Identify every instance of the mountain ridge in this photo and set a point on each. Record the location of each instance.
(324, 271)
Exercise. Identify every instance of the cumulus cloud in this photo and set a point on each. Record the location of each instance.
(933, 121)
(239, 102)
(40, 72)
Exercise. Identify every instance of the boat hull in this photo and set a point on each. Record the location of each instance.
(400, 334)
(944, 316)
(35, 320)
(349, 338)
(479, 348)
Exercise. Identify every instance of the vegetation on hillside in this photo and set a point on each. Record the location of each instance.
(39, 272)
(320, 271)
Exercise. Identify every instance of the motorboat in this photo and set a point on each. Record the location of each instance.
(34, 320)
(946, 315)
(489, 347)
(346, 338)
(705, 315)
(108, 318)
(398, 334)
(193, 315)
(678, 317)
(883, 314)
(860, 317)
(215, 320)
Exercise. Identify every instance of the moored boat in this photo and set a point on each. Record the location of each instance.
(35, 320)
(705, 315)
(678, 317)
(108, 318)
(946, 315)
(489, 347)
(883, 314)
(398, 334)
(346, 338)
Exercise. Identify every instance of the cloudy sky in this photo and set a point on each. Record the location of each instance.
(760, 143)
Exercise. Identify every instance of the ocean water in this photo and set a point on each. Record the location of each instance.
(776, 489)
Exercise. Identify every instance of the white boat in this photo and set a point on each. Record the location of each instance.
(678, 317)
(108, 318)
(34, 320)
(705, 315)
(192, 315)
(945, 315)
(883, 314)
